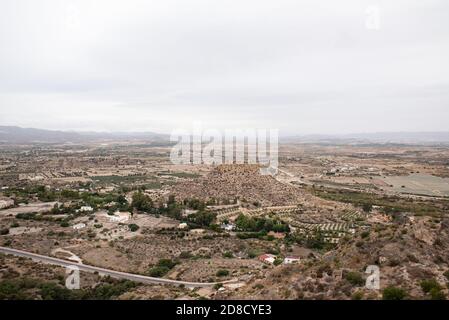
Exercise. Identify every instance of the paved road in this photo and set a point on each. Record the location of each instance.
(112, 273)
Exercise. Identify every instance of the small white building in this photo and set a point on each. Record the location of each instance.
(86, 209)
(290, 260)
(79, 226)
(119, 217)
(183, 226)
(228, 227)
(6, 203)
(267, 258)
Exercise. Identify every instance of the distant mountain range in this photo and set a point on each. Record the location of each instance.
(375, 138)
(18, 135)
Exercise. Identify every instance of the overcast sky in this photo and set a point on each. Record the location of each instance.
(314, 66)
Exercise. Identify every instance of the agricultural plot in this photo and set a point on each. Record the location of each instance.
(353, 215)
(228, 213)
(421, 184)
(28, 208)
(206, 270)
(336, 226)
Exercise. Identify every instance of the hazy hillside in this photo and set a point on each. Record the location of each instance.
(377, 137)
(12, 134)
(28, 135)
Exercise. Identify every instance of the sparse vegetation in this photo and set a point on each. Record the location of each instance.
(162, 268)
(432, 288)
(355, 278)
(394, 293)
(222, 273)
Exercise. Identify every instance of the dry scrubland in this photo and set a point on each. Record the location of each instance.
(125, 207)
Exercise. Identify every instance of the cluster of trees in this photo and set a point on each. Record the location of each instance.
(389, 204)
(202, 218)
(142, 202)
(195, 204)
(93, 199)
(250, 224)
(173, 209)
(28, 289)
(222, 273)
(29, 216)
(162, 268)
(313, 240)
(96, 200)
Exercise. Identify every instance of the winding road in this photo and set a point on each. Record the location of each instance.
(112, 273)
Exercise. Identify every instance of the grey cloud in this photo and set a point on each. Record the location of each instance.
(302, 66)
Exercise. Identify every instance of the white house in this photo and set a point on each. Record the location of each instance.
(119, 217)
(79, 226)
(228, 227)
(267, 258)
(182, 226)
(6, 203)
(86, 209)
(290, 260)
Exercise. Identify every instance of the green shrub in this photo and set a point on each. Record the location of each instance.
(429, 284)
(355, 278)
(168, 263)
(52, 291)
(357, 295)
(437, 294)
(222, 273)
(217, 286)
(278, 261)
(133, 227)
(252, 254)
(228, 254)
(433, 289)
(158, 272)
(141, 202)
(185, 255)
(393, 293)
(162, 268)
(364, 234)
